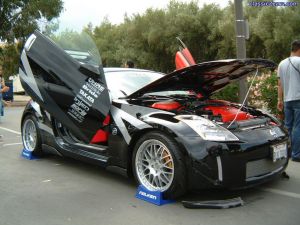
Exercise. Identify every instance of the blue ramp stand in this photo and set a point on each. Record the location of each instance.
(28, 154)
(154, 197)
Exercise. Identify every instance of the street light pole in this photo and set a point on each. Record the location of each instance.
(240, 43)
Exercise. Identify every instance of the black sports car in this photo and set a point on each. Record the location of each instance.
(163, 129)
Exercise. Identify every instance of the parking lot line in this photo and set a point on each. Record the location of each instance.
(10, 144)
(280, 192)
(9, 130)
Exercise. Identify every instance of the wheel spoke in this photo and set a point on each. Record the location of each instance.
(164, 178)
(165, 156)
(156, 181)
(148, 152)
(152, 151)
(151, 178)
(147, 174)
(160, 151)
(145, 165)
(160, 181)
(168, 161)
(145, 160)
(156, 149)
(147, 155)
(168, 167)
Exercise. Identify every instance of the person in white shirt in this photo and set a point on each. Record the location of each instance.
(289, 96)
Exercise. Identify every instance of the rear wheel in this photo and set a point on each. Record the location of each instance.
(31, 136)
(158, 164)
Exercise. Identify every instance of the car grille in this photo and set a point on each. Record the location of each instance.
(263, 167)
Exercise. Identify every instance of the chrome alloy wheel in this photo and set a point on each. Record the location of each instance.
(154, 165)
(29, 135)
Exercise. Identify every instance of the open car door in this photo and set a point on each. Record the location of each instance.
(69, 84)
(183, 57)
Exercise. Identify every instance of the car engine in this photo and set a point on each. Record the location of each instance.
(215, 110)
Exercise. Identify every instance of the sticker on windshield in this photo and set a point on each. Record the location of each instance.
(85, 98)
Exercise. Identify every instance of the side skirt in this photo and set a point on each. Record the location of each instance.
(81, 153)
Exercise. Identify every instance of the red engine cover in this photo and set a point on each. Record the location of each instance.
(167, 105)
(228, 113)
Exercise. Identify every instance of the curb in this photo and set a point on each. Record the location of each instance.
(18, 102)
(15, 104)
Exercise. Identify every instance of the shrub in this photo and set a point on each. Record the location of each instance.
(263, 93)
(229, 93)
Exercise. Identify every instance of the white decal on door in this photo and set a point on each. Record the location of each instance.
(85, 98)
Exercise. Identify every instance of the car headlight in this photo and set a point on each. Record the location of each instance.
(207, 129)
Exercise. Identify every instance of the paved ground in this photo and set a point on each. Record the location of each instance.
(57, 191)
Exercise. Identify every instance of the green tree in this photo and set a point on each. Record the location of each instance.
(18, 19)
(9, 56)
(226, 45)
(149, 39)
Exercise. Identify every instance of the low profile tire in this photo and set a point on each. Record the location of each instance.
(31, 135)
(158, 164)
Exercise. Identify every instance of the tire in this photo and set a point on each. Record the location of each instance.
(31, 135)
(158, 164)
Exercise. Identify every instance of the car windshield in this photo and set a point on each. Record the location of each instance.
(124, 82)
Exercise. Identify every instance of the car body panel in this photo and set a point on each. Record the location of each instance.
(206, 78)
(209, 164)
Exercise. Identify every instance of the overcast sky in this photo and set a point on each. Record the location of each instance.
(78, 13)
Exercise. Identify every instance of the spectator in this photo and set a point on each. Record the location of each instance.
(3, 89)
(289, 96)
(129, 64)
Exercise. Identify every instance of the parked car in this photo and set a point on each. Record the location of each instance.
(163, 129)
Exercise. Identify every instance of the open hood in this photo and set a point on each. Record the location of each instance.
(207, 77)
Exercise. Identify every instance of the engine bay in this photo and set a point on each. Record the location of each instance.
(216, 110)
(219, 111)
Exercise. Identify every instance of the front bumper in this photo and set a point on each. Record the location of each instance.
(234, 166)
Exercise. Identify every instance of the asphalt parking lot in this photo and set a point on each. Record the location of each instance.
(54, 191)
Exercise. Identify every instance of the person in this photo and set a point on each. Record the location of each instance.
(3, 89)
(289, 96)
(129, 64)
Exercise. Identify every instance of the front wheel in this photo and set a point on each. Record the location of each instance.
(31, 136)
(158, 164)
